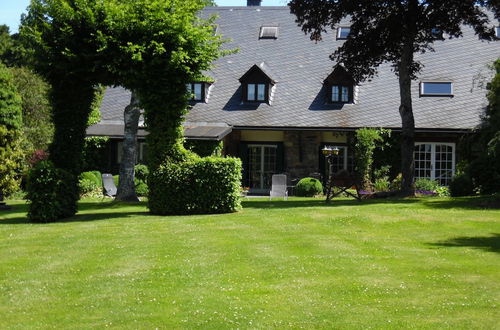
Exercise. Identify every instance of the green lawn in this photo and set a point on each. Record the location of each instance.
(422, 263)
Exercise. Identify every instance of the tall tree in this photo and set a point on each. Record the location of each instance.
(393, 32)
(10, 129)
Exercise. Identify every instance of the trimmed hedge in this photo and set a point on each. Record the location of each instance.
(52, 193)
(308, 187)
(196, 186)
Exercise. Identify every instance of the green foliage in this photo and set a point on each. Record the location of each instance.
(116, 179)
(38, 128)
(198, 185)
(443, 191)
(485, 157)
(426, 185)
(205, 148)
(94, 152)
(461, 185)
(141, 188)
(11, 154)
(396, 183)
(382, 184)
(52, 193)
(308, 187)
(367, 139)
(141, 172)
(95, 111)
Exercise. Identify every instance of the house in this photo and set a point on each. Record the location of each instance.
(280, 99)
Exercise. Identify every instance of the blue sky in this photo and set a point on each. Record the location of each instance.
(11, 10)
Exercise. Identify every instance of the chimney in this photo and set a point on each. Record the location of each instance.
(253, 2)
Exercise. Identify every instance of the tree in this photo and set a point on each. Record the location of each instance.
(393, 32)
(152, 47)
(10, 128)
(485, 148)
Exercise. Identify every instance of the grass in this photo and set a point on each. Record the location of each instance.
(420, 263)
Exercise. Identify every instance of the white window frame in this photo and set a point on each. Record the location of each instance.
(422, 83)
(433, 157)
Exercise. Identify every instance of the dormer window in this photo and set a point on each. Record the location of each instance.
(198, 91)
(257, 84)
(340, 86)
(497, 30)
(343, 32)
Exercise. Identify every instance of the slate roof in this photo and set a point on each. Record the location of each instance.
(302, 65)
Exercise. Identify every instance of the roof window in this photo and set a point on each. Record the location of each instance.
(339, 86)
(343, 32)
(257, 84)
(268, 32)
(436, 88)
(497, 30)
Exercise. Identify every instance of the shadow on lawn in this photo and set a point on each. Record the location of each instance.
(80, 217)
(489, 243)
(281, 204)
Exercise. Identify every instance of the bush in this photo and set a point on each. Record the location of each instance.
(141, 188)
(308, 187)
(461, 185)
(426, 185)
(116, 179)
(396, 183)
(141, 172)
(382, 184)
(52, 193)
(196, 186)
(443, 192)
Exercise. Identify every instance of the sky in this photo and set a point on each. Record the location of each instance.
(11, 10)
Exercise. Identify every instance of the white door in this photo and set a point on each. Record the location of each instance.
(435, 161)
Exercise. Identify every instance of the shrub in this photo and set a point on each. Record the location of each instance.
(426, 185)
(443, 192)
(116, 179)
(308, 187)
(461, 185)
(396, 183)
(51, 192)
(198, 185)
(141, 172)
(87, 187)
(98, 176)
(382, 184)
(141, 188)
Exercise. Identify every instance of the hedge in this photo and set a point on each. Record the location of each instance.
(196, 186)
(51, 192)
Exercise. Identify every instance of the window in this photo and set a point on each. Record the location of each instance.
(341, 94)
(428, 88)
(343, 32)
(437, 33)
(435, 161)
(268, 32)
(497, 29)
(256, 92)
(140, 156)
(197, 91)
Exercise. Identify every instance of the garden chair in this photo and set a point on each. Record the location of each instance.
(109, 185)
(279, 187)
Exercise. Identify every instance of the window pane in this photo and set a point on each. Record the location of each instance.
(197, 92)
(343, 32)
(498, 31)
(188, 88)
(436, 88)
(251, 92)
(335, 93)
(261, 88)
(345, 94)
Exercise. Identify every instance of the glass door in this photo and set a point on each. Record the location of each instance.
(261, 166)
(435, 161)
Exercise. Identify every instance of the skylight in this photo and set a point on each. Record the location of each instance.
(497, 29)
(268, 32)
(433, 88)
(343, 32)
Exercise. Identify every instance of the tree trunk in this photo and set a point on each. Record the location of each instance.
(126, 186)
(408, 122)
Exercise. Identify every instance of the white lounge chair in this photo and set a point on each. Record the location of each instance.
(109, 185)
(278, 188)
